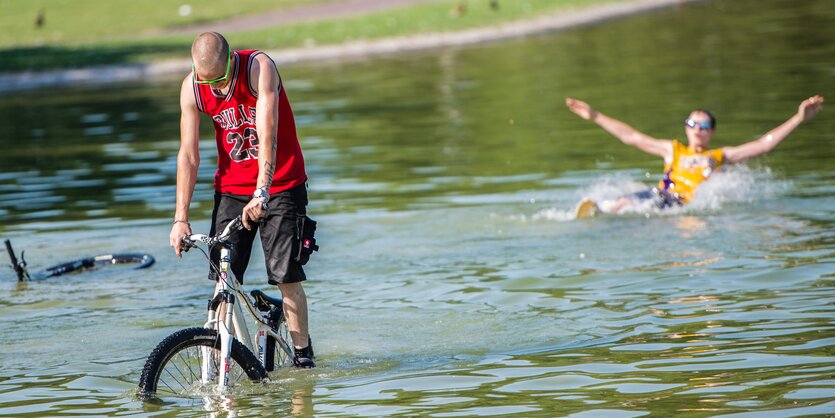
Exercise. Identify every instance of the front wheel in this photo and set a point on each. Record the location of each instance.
(174, 367)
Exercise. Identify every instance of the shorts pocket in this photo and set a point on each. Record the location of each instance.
(305, 230)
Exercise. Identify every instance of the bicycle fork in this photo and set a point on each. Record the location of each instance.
(225, 342)
(223, 297)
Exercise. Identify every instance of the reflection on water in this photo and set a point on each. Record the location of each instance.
(376, 137)
(452, 280)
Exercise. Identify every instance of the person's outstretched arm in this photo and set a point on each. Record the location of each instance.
(807, 110)
(625, 133)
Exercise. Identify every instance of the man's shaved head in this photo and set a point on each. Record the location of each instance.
(209, 52)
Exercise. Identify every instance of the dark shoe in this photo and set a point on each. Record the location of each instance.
(310, 347)
(303, 358)
(303, 363)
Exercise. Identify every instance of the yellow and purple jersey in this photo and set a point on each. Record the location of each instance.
(688, 170)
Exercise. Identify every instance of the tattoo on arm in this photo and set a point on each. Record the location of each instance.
(268, 173)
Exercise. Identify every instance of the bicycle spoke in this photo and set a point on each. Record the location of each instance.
(177, 368)
(180, 380)
(182, 370)
(194, 377)
(284, 357)
(173, 379)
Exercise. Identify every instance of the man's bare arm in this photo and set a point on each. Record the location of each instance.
(188, 161)
(264, 81)
(625, 133)
(806, 111)
(266, 117)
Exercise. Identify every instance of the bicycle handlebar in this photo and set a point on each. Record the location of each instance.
(192, 240)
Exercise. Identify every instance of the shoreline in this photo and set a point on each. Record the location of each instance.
(30, 80)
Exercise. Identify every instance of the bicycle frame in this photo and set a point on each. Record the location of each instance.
(233, 324)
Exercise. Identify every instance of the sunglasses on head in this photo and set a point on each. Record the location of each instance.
(704, 125)
(215, 80)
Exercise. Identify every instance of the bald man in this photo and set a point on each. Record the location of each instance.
(260, 170)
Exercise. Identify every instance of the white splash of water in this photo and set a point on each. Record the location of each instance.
(604, 191)
(734, 184)
(554, 214)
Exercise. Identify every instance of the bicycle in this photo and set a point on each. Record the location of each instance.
(87, 263)
(221, 352)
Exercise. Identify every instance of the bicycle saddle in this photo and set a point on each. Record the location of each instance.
(263, 302)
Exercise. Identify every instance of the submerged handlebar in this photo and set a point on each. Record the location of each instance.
(19, 267)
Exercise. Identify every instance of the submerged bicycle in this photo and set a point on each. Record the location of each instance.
(221, 353)
(88, 263)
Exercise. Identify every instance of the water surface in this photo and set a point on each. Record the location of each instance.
(452, 281)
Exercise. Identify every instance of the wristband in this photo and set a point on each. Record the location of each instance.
(264, 194)
(261, 193)
(180, 221)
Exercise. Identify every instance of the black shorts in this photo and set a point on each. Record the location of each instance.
(279, 231)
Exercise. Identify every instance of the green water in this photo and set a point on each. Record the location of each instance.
(451, 280)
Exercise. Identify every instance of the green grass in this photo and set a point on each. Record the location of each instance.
(80, 33)
(434, 17)
(90, 22)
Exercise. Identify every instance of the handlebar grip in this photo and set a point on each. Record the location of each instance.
(236, 225)
(233, 226)
(187, 244)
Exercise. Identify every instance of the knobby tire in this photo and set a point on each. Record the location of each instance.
(141, 260)
(173, 368)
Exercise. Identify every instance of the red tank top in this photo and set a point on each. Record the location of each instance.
(233, 115)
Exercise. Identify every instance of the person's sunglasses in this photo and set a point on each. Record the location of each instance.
(704, 125)
(216, 80)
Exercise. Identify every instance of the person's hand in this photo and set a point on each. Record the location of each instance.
(810, 107)
(253, 211)
(581, 108)
(175, 238)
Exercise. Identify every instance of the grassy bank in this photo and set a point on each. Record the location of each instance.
(81, 33)
(448, 15)
(92, 22)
